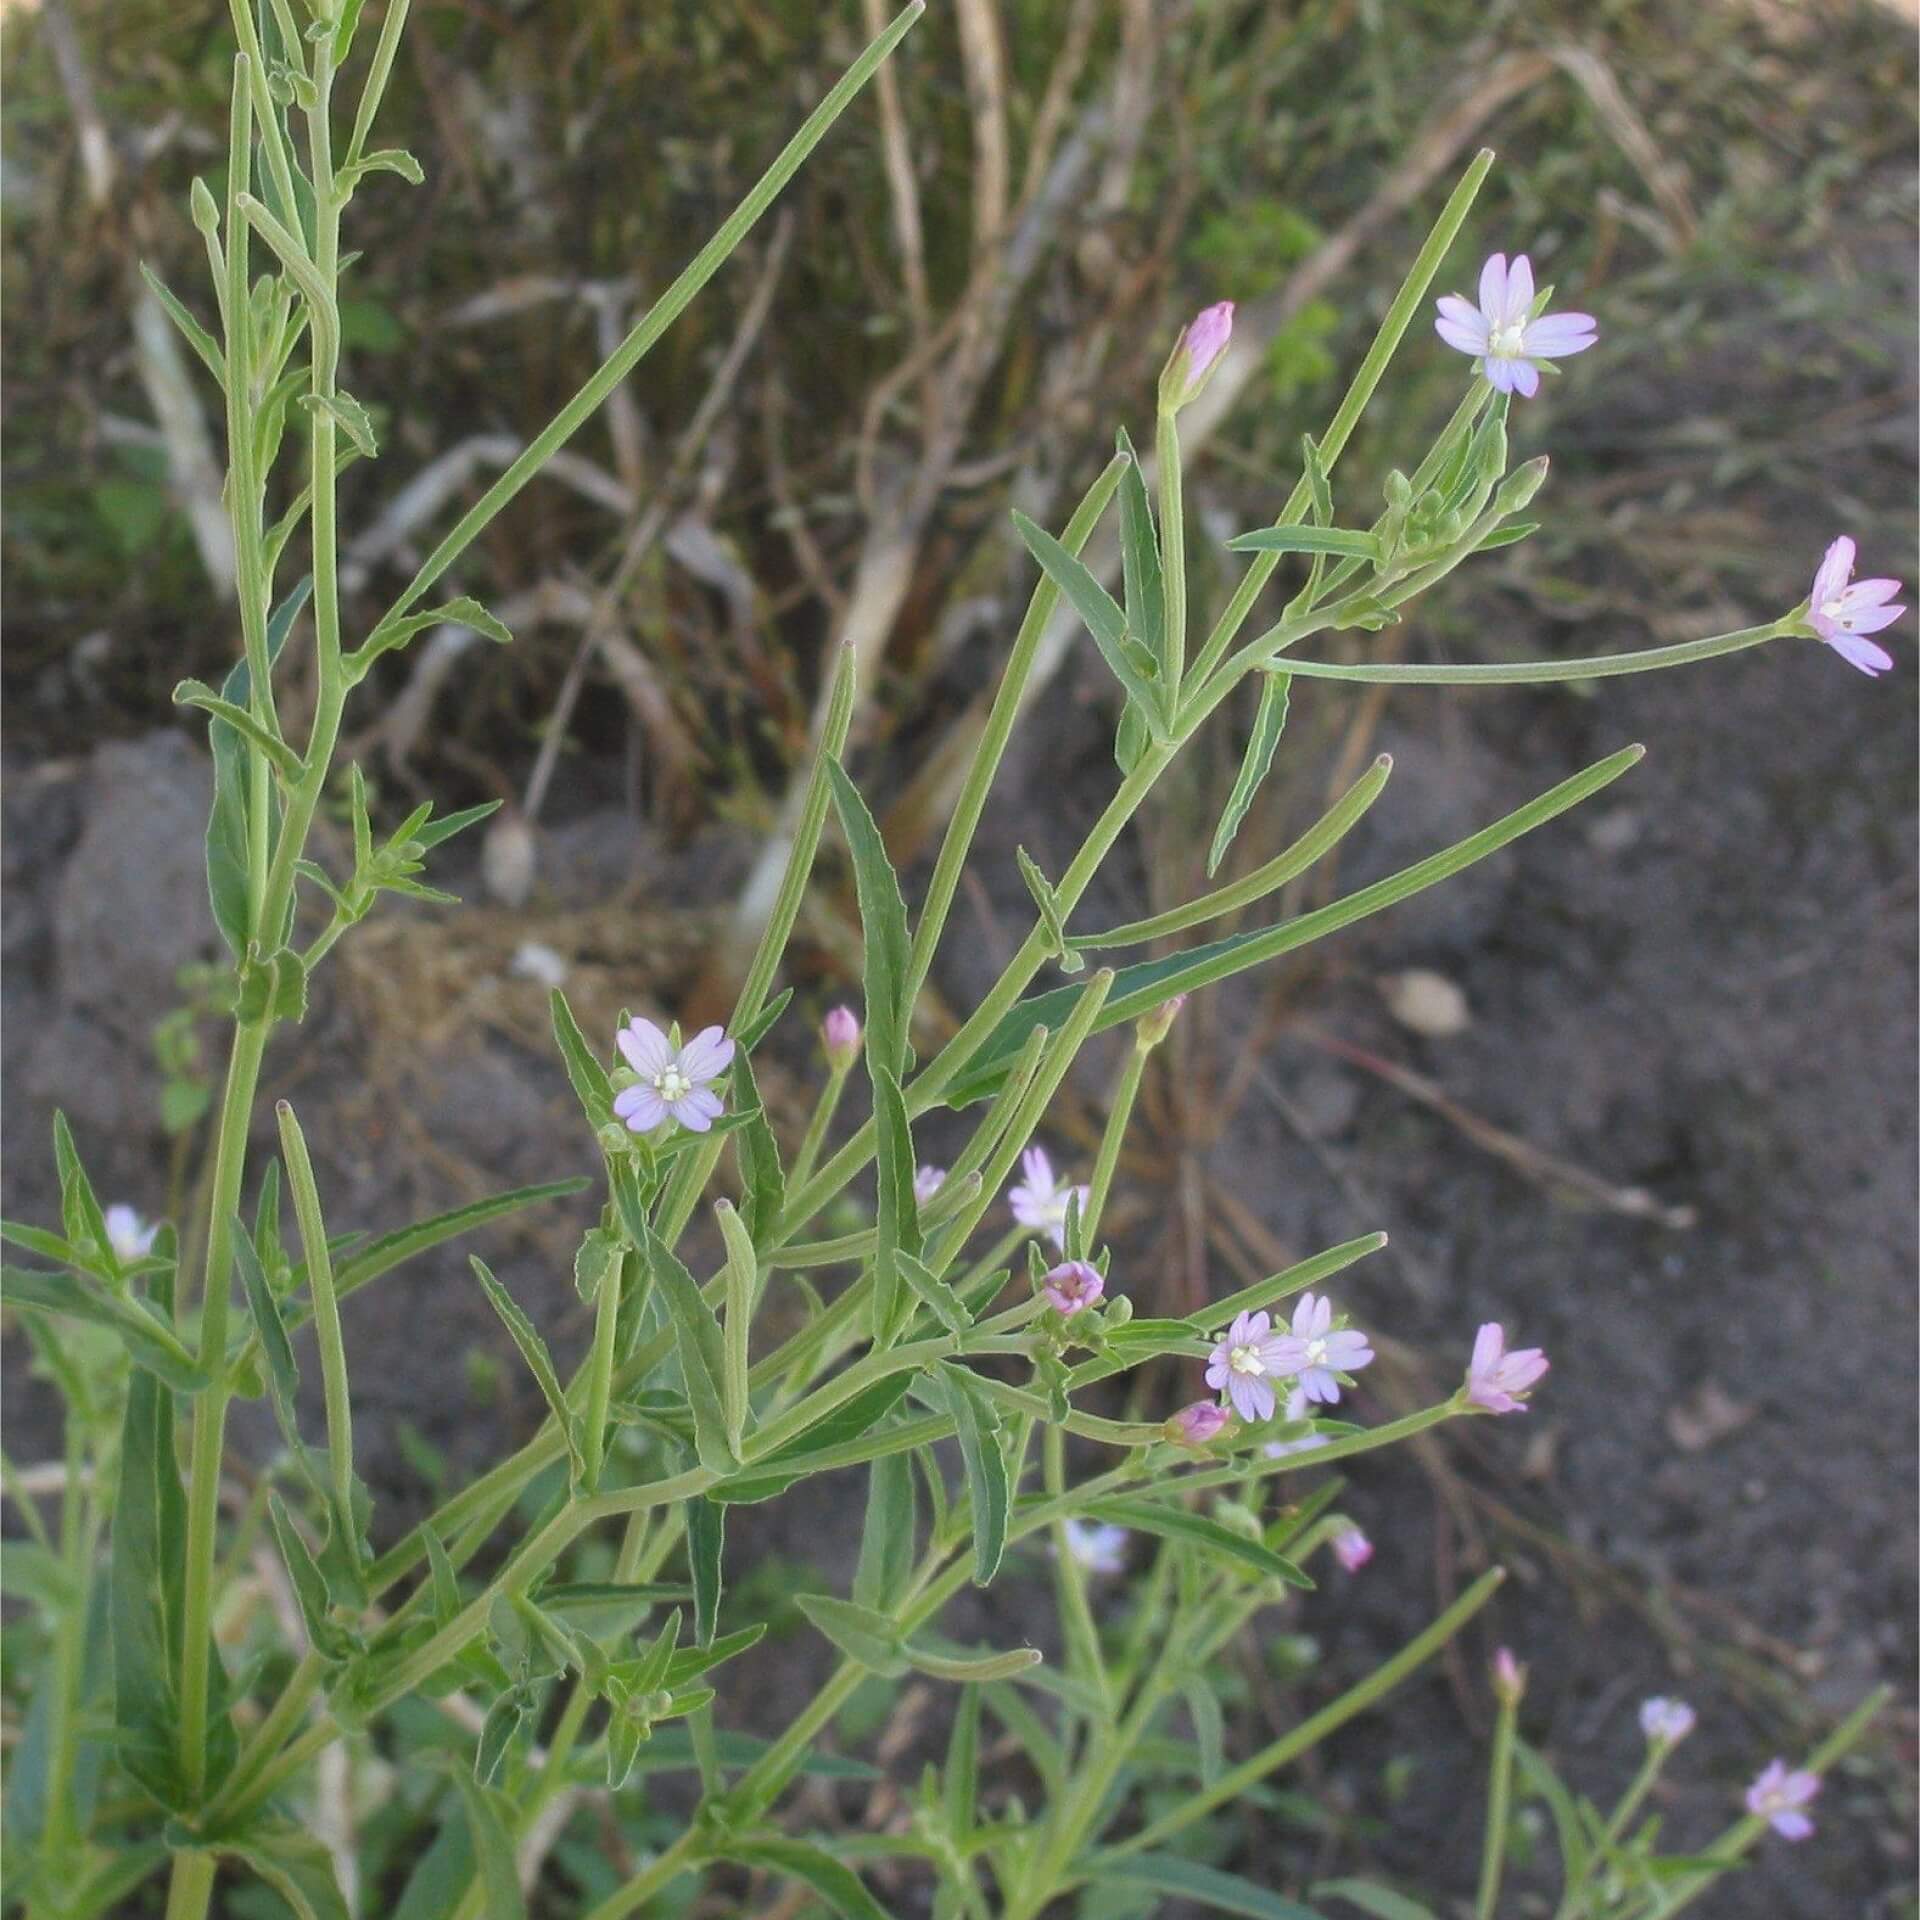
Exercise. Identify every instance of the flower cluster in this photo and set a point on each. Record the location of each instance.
(1317, 1356)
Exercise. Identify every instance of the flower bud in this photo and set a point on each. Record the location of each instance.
(1119, 1311)
(1519, 487)
(1196, 1425)
(1509, 1677)
(1151, 1028)
(1199, 350)
(1072, 1285)
(1666, 1722)
(840, 1035)
(206, 213)
(1352, 1549)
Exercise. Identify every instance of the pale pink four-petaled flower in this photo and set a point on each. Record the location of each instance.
(1842, 610)
(1315, 1352)
(1666, 1722)
(1780, 1796)
(1246, 1361)
(1499, 1380)
(674, 1081)
(1504, 334)
(1073, 1285)
(927, 1182)
(1039, 1203)
(1098, 1549)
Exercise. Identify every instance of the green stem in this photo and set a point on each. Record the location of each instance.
(659, 317)
(1070, 1584)
(1126, 1090)
(824, 1110)
(1516, 673)
(606, 1321)
(1493, 1844)
(987, 754)
(77, 1529)
(385, 50)
(1399, 316)
(1311, 1731)
(1572, 1902)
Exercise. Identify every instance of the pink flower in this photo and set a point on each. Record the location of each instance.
(1503, 333)
(840, 1035)
(1194, 1426)
(1509, 1677)
(1040, 1203)
(1777, 1798)
(1073, 1285)
(927, 1182)
(1841, 614)
(1246, 1361)
(1097, 1549)
(1666, 1722)
(1317, 1354)
(1352, 1549)
(673, 1081)
(1496, 1379)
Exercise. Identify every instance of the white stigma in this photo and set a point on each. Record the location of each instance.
(1246, 1360)
(671, 1084)
(1508, 342)
(1316, 1352)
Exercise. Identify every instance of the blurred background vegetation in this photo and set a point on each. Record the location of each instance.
(973, 280)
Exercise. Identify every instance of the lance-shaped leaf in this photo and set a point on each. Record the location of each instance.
(461, 612)
(777, 1471)
(696, 1333)
(1254, 767)
(333, 1642)
(871, 1638)
(195, 335)
(887, 1540)
(762, 1177)
(1304, 539)
(1219, 1542)
(1179, 1878)
(353, 420)
(293, 1863)
(149, 1339)
(1103, 619)
(973, 1669)
(196, 693)
(1291, 1280)
(931, 1291)
(883, 923)
(488, 1817)
(839, 1886)
(1140, 557)
(706, 1536)
(80, 1211)
(591, 1084)
(533, 1350)
(1139, 989)
(739, 1292)
(976, 1425)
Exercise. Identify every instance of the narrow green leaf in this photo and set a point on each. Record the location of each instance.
(888, 1542)
(948, 1308)
(1303, 539)
(1139, 989)
(294, 1864)
(147, 1576)
(840, 1887)
(762, 1178)
(488, 1815)
(697, 1337)
(533, 1350)
(591, 1084)
(1146, 614)
(1291, 1280)
(149, 1339)
(977, 1427)
(1377, 1901)
(331, 1641)
(959, 1777)
(706, 1535)
(849, 1421)
(391, 634)
(446, 1585)
(1319, 486)
(883, 922)
(1221, 1543)
(1258, 762)
(1508, 535)
(1209, 1726)
(1048, 903)
(1183, 1879)
(873, 1639)
(352, 419)
(195, 335)
(1103, 619)
(391, 160)
(270, 1330)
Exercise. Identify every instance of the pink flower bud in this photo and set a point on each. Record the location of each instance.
(1204, 341)
(840, 1035)
(1352, 1549)
(1509, 1677)
(1194, 1426)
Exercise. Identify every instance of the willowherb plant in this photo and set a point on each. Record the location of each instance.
(979, 1307)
